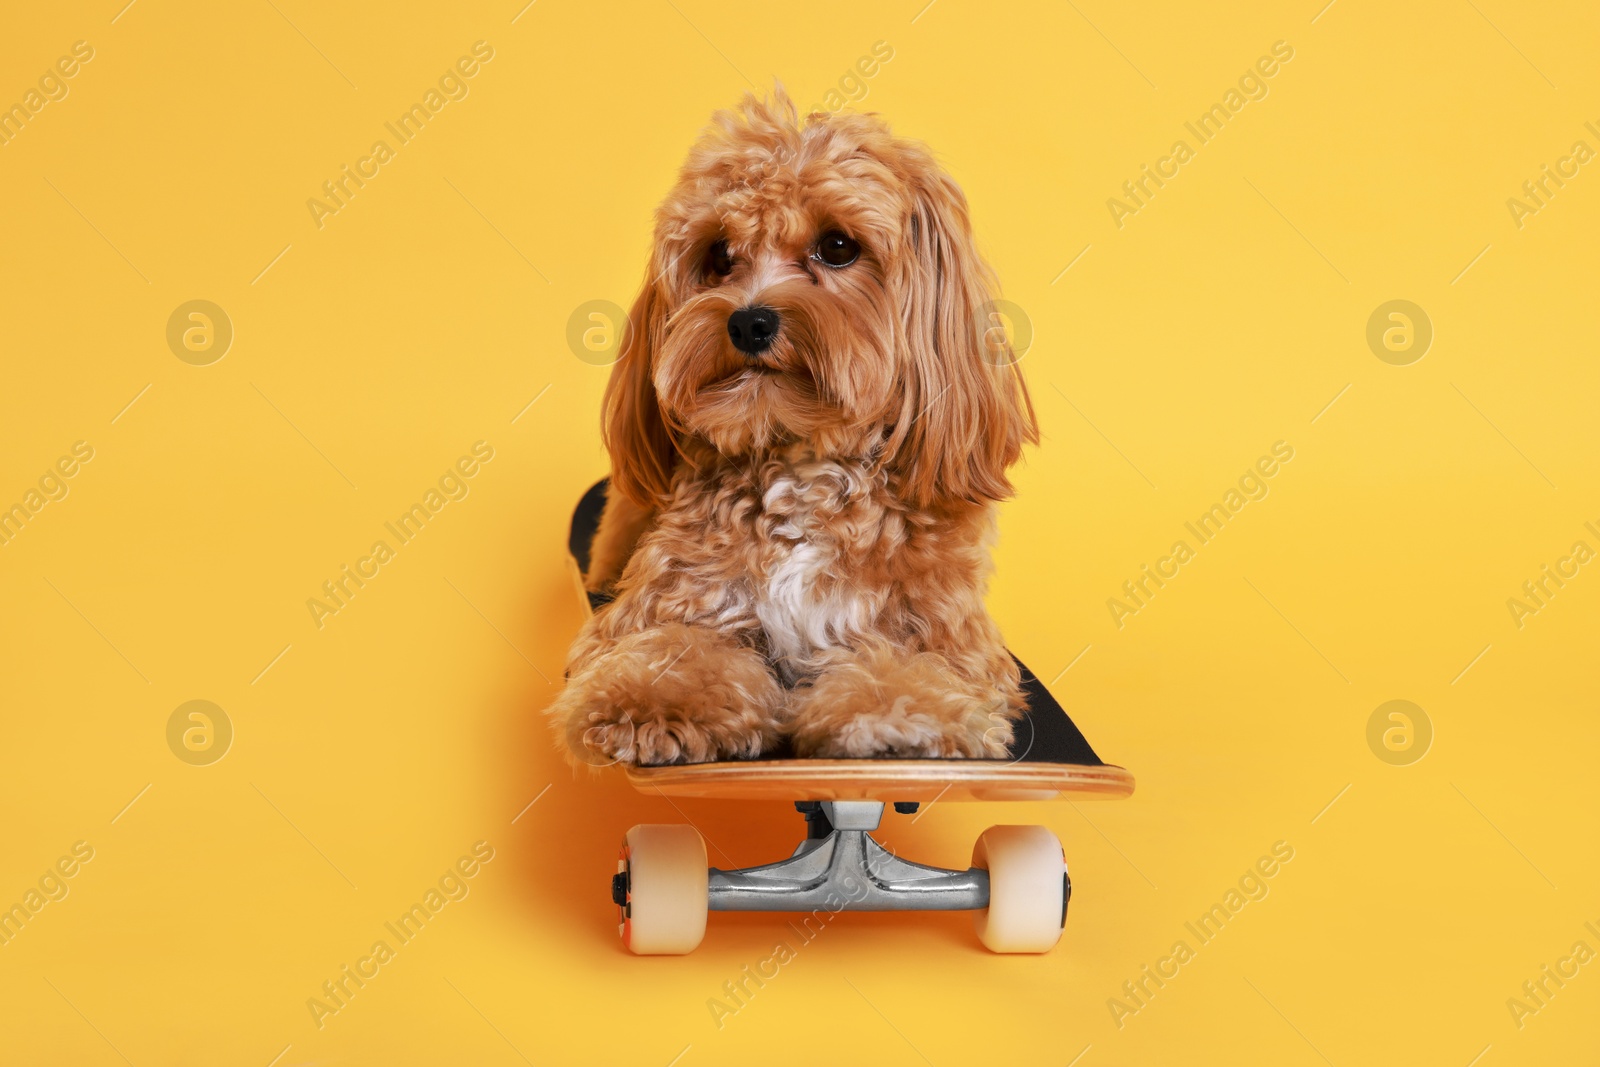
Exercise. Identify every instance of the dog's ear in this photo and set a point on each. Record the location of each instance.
(966, 412)
(643, 452)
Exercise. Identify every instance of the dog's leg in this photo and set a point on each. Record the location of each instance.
(882, 700)
(622, 523)
(673, 693)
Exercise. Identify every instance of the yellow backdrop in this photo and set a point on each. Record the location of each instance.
(1205, 219)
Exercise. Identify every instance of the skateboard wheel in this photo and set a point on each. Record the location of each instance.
(1027, 888)
(663, 885)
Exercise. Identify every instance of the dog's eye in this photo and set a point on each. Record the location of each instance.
(718, 260)
(837, 250)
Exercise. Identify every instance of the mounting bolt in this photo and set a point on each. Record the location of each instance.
(817, 824)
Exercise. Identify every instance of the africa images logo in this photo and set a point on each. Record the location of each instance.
(1252, 85)
(452, 485)
(452, 886)
(452, 85)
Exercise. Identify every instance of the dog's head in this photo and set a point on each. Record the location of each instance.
(818, 283)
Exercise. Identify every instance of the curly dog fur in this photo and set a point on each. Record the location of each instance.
(799, 522)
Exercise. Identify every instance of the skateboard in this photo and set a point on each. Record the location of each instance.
(1017, 886)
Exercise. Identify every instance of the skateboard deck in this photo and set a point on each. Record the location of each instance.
(889, 780)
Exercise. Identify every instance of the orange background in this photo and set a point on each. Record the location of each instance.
(1230, 312)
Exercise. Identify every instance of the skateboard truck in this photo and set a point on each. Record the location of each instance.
(1016, 889)
(839, 867)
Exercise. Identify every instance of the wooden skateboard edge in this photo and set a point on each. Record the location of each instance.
(887, 780)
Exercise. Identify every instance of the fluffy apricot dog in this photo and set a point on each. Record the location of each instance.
(809, 429)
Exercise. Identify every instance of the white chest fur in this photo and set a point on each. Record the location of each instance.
(804, 600)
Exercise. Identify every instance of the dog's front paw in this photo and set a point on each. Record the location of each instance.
(653, 736)
(880, 704)
(673, 694)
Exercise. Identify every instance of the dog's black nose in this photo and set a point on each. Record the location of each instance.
(753, 329)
